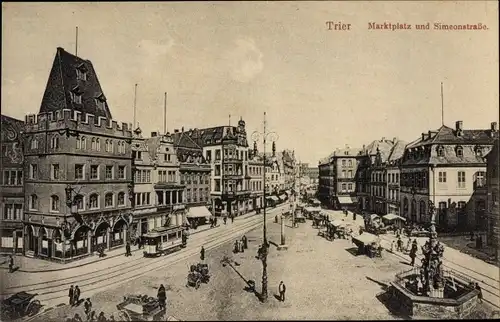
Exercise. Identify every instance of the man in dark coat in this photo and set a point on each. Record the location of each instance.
(480, 295)
(413, 252)
(11, 264)
(245, 242)
(76, 295)
(162, 296)
(127, 250)
(282, 290)
(71, 295)
(202, 253)
(88, 308)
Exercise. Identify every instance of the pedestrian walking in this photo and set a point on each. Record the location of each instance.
(400, 245)
(413, 252)
(88, 308)
(11, 264)
(408, 245)
(236, 247)
(76, 296)
(202, 253)
(71, 295)
(232, 219)
(245, 242)
(392, 246)
(480, 295)
(242, 246)
(127, 250)
(225, 220)
(282, 290)
(215, 221)
(162, 297)
(354, 216)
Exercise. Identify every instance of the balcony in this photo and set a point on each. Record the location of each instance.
(168, 185)
(234, 194)
(232, 176)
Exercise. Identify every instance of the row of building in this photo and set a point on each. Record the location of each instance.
(448, 168)
(75, 180)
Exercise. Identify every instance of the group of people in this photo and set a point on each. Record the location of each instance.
(240, 245)
(213, 222)
(411, 248)
(74, 295)
(91, 317)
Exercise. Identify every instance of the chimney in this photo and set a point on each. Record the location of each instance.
(494, 126)
(154, 134)
(183, 129)
(423, 136)
(429, 134)
(394, 140)
(176, 131)
(459, 125)
(383, 139)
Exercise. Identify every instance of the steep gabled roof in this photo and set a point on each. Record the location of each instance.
(182, 139)
(397, 151)
(63, 81)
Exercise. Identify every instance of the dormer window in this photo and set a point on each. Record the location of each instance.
(460, 151)
(81, 72)
(76, 95)
(440, 151)
(101, 102)
(479, 151)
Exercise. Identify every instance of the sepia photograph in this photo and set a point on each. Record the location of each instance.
(249, 160)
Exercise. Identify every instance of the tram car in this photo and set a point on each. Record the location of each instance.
(164, 240)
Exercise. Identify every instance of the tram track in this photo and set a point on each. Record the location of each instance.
(53, 293)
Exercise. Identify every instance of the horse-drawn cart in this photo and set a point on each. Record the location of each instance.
(140, 308)
(19, 305)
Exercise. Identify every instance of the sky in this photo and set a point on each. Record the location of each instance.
(321, 89)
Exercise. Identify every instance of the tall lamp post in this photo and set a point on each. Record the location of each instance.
(265, 249)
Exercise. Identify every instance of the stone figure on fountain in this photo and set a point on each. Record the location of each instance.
(432, 264)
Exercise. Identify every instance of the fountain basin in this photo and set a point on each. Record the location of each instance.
(458, 300)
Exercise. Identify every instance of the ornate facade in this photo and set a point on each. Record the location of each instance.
(158, 194)
(77, 166)
(12, 185)
(493, 210)
(226, 149)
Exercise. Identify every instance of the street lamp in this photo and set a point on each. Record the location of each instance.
(273, 137)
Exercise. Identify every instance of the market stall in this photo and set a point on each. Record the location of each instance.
(368, 244)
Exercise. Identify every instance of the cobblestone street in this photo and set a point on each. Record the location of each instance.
(310, 268)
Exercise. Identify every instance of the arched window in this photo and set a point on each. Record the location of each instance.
(460, 151)
(84, 143)
(422, 209)
(440, 151)
(78, 143)
(94, 201)
(78, 202)
(54, 143)
(110, 146)
(108, 200)
(54, 203)
(119, 144)
(34, 144)
(98, 145)
(106, 146)
(93, 144)
(121, 198)
(33, 202)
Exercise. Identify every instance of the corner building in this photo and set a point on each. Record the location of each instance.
(78, 167)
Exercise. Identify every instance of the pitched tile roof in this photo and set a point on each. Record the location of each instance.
(397, 151)
(447, 135)
(63, 81)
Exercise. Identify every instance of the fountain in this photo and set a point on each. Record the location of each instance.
(431, 292)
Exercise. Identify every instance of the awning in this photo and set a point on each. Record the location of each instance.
(338, 223)
(283, 197)
(366, 238)
(288, 192)
(312, 209)
(198, 212)
(393, 216)
(273, 198)
(347, 200)
(374, 216)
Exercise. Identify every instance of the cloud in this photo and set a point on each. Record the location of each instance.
(245, 61)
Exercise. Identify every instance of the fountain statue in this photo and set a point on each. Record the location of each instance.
(431, 273)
